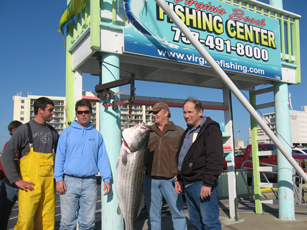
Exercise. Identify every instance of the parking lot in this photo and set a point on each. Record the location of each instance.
(14, 214)
(247, 218)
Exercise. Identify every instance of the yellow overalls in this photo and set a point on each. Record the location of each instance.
(37, 207)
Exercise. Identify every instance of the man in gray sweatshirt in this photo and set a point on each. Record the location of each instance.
(36, 142)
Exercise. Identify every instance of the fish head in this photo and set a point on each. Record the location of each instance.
(135, 137)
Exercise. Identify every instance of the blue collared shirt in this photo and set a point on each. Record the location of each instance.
(190, 137)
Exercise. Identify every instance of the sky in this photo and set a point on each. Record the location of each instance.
(32, 61)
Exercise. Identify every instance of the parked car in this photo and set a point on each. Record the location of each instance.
(299, 151)
(245, 160)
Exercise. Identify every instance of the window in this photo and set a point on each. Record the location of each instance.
(22, 118)
(22, 101)
(270, 147)
(58, 103)
(22, 112)
(22, 107)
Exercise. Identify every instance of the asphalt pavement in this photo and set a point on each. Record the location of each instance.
(268, 220)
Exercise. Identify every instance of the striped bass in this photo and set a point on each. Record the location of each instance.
(131, 172)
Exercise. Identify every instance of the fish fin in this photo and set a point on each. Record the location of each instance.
(119, 212)
(142, 204)
(121, 155)
(125, 158)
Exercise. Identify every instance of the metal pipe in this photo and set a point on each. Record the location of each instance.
(109, 120)
(220, 72)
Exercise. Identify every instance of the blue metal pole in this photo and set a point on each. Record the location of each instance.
(285, 170)
(283, 129)
(110, 130)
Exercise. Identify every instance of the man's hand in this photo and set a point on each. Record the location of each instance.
(61, 187)
(205, 192)
(106, 188)
(25, 185)
(178, 187)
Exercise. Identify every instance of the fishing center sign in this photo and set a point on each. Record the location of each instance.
(239, 40)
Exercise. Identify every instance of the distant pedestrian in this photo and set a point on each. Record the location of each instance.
(80, 155)
(200, 162)
(8, 192)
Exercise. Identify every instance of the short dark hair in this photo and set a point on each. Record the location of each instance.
(83, 102)
(14, 125)
(197, 103)
(42, 103)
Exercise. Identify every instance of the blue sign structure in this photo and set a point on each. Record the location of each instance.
(239, 40)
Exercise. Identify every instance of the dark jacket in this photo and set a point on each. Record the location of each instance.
(204, 160)
(160, 158)
(2, 173)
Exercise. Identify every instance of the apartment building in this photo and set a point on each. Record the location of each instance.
(139, 114)
(24, 111)
(298, 124)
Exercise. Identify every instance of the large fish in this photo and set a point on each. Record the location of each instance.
(131, 172)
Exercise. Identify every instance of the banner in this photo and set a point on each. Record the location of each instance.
(239, 40)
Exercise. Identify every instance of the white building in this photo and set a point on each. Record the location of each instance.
(139, 113)
(298, 123)
(24, 111)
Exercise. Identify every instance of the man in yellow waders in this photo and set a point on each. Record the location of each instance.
(35, 142)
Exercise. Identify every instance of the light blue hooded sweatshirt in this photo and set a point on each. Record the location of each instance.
(81, 152)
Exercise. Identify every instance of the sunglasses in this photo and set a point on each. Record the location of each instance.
(85, 112)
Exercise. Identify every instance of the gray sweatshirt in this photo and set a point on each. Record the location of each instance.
(45, 138)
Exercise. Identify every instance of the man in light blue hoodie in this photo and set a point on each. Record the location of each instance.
(80, 155)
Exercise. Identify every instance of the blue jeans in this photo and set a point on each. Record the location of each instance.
(78, 203)
(204, 213)
(154, 189)
(8, 197)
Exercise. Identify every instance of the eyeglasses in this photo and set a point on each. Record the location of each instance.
(85, 112)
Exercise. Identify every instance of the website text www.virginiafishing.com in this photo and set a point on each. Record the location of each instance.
(200, 60)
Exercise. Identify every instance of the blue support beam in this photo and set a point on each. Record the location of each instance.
(283, 129)
(111, 132)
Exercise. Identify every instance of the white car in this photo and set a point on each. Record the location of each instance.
(299, 150)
